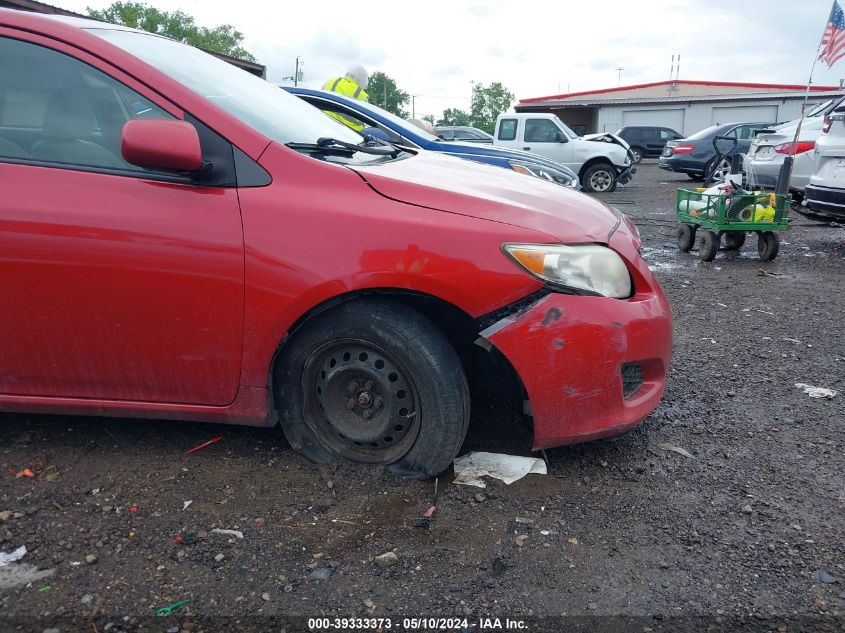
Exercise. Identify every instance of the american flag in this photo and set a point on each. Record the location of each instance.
(833, 39)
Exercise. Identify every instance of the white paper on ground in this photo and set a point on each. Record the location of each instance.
(13, 556)
(816, 392)
(236, 533)
(470, 468)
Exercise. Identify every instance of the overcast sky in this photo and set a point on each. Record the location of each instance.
(436, 49)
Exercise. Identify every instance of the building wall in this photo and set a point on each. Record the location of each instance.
(700, 115)
(577, 117)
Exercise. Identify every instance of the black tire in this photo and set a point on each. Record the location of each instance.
(599, 178)
(637, 154)
(768, 245)
(382, 351)
(734, 240)
(686, 236)
(708, 245)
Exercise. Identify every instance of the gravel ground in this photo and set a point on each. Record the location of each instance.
(746, 532)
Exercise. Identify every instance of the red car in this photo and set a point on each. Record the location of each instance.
(180, 239)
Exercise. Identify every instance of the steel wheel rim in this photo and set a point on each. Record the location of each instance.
(600, 180)
(362, 403)
(636, 155)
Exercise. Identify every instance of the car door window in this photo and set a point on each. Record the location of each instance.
(541, 131)
(744, 132)
(507, 130)
(466, 134)
(667, 135)
(58, 110)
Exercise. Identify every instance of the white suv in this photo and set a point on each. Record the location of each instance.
(825, 193)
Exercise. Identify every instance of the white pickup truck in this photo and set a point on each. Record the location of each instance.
(600, 160)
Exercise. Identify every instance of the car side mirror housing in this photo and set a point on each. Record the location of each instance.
(161, 144)
(561, 138)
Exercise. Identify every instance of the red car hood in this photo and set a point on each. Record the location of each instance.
(455, 185)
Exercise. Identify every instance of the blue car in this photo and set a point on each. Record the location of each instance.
(400, 131)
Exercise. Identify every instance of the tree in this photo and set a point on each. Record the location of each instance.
(488, 102)
(453, 116)
(384, 93)
(176, 25)
(429, 118)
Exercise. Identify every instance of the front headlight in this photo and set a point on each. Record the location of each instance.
(582, 268)
(547, 173)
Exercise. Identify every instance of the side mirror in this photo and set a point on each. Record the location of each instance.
(561, 138)
(162, 144)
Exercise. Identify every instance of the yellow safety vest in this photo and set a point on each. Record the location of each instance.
(347, 87)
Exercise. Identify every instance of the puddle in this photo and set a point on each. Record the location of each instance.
(661, 259)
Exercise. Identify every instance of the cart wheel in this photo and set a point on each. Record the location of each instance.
(686, 236)
(708, 245)
(768, 245)
(734, 240)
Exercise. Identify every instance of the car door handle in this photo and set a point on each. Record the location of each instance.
(526, 148)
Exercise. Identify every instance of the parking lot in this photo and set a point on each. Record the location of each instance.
(747, 528)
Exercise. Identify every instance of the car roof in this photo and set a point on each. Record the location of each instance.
(66, 20)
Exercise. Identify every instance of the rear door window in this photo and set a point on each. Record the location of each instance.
(507, 129)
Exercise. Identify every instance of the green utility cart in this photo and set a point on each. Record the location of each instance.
(712, 215)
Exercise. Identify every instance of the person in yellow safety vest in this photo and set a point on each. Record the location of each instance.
(352, 84)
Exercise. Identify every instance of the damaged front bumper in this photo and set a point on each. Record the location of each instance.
(593, 367)
(625, 174)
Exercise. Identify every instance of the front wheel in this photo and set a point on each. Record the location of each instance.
(708, 245)
(637, 154)
(374, 382)
(768, 245)
(600, 178)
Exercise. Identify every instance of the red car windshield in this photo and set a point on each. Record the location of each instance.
(258, 103)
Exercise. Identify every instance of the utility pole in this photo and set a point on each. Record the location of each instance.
(413, 106)
(296, 72)
(619, 70)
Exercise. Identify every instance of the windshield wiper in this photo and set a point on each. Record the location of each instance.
(327, 145)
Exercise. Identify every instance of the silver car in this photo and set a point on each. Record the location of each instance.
(771, 146)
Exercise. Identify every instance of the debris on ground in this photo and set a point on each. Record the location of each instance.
(235, 533)
(199, 447)
(185, 504)
(674, 449)
(165, 611)
(470, 468)
(816, 392)
(822, 576)
(427, 517)
(21, 575)
(388, 559)
(11, 557)
(747, 509)
(323, 573)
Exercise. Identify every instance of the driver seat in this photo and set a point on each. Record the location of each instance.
(69, 125)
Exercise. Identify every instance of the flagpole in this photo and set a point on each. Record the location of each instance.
(785, 176)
